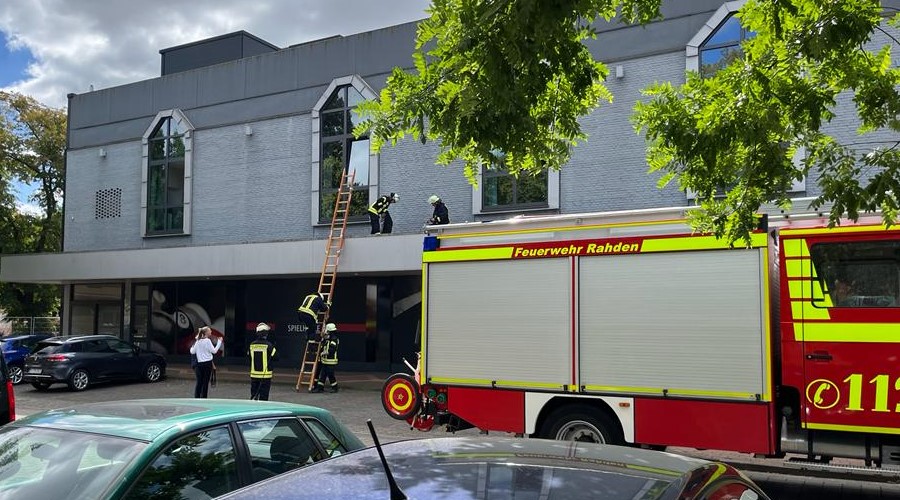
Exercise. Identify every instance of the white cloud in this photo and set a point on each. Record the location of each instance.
(106, 43)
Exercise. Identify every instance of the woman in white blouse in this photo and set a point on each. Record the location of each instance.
(204, 349)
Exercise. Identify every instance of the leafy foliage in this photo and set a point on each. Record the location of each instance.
(499, 77)
(32, 150)
(731, 138)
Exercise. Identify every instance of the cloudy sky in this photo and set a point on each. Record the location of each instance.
(49, 48)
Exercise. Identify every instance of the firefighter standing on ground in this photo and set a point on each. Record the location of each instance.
(441, 215)
(379, 211)
(328, 359)
(261, 353)
(309, 310)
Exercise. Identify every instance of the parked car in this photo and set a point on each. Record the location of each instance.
(162, 448)
(82, 360)
(487, 467)
(15, 348)
(7, 396)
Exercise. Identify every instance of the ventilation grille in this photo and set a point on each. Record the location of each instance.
(108, 203)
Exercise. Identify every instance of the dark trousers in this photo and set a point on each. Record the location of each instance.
(311, 323)
(259, 388)
(326, 372)
(203, 372)
(377, 227)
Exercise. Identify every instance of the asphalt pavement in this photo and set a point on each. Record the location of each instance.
(359, 400)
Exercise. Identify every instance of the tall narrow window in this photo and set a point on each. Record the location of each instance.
(165, 210)
(340, 151)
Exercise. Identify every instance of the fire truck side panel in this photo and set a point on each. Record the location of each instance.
(502, 323)
(498, 410)
(688, 324)
(718, 425)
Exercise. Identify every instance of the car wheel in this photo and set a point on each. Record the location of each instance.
(16, 373)
(41, 386)
(152, 372)
(79, 380)
(581, 423)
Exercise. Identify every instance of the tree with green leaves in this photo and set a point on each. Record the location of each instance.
(505, 81)
(32, 151)
(732, 137)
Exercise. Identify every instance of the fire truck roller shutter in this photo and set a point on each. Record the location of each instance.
(502, 320)
(690, 322)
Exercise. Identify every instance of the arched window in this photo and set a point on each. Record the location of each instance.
(338, 150)
(167, 172)
(723, 46)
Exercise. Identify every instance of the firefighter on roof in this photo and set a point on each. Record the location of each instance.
(309, 310)
(379, 211)
(328, 359)
(261, 353)
(441, 215)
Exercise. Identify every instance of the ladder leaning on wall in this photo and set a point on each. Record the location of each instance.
(333, 246)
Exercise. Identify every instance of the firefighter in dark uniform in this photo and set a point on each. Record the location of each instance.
(379, 210)
(261, 352)
(309, 310)
(328, 359)
(441, 215)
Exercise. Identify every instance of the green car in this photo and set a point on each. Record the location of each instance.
(162, 448)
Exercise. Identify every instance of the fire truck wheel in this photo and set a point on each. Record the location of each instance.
(581, 423)
(400, 396)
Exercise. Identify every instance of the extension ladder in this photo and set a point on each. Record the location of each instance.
(333, 246)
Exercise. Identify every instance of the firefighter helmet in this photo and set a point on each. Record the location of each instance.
(434, 199)
(330, 327)
(395, 197)
(262, 327)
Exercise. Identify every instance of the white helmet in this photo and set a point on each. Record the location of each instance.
(262, 327)
(330, 327)
(434, 199)
(395, 197)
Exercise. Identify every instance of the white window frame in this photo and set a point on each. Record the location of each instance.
(179, 117)
(552, 196)
(366, 91)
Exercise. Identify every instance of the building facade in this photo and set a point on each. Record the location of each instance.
(203, 196)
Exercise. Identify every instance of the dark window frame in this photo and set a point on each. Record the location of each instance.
(167, 137)
(720, 46)
(488, 174)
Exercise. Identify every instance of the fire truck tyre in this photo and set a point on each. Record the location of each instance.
(400, 396)
(581, 423)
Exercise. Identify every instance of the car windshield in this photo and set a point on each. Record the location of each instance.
(45, 463)
(48, 348)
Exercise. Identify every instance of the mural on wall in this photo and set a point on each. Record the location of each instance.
(179, 309)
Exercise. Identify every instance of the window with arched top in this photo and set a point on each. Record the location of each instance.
(336, 150)
(165, 204)
(723, 46)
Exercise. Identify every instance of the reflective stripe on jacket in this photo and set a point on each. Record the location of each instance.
(329, 353)
(381, 205)
(261, 353)
(312, 305)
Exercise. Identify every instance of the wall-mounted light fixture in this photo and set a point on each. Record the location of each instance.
(101, 153)
(248, 131)
(620, 72)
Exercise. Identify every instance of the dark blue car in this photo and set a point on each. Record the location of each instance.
(15, 348)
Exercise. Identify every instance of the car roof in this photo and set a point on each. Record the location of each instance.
(26, 336)
(421, 467)
(148, 419)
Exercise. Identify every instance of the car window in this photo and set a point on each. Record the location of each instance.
(95, 346)
(48, 348)
(332, 446)
(46, 463)
(73, 347)
(278, 445)
(198, 466)
(120, 346)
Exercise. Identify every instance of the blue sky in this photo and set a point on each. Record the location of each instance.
(13, 63)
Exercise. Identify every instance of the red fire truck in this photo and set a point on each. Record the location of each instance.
(625, 327)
